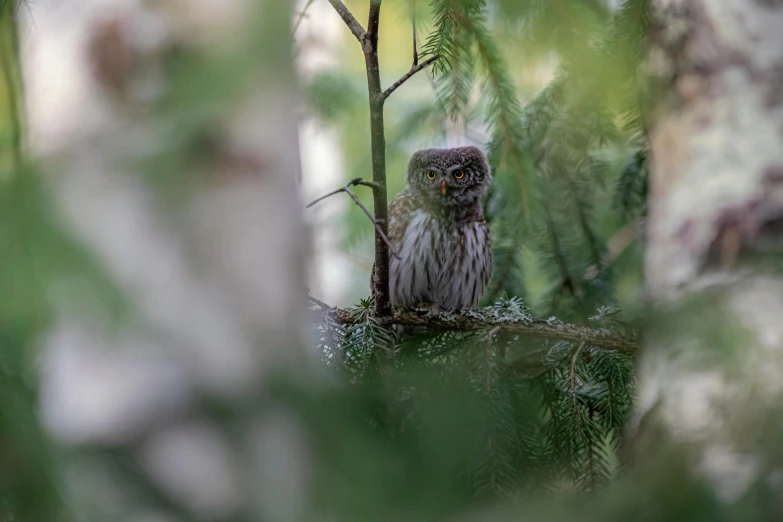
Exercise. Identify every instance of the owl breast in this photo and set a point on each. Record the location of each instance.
(441, 263)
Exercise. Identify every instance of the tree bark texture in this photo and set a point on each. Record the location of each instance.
(711, 372)
(171, 157)
(380, 280)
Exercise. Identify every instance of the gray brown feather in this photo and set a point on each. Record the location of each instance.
(442, 239)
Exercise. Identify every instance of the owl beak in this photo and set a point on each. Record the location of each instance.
(443, 187)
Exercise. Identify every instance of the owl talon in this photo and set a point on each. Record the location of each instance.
(430, 309)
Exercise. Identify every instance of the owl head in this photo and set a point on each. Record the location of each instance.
(449, 177)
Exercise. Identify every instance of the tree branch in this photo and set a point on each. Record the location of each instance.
(373, 23)
(320, 304)
(301, 16)
(380, 276)
(375, 222)
(352, 23)
(416, 68)
(602, 338)
(415, 45)
(368, 39)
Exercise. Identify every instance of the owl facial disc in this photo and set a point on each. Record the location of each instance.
(443, 187)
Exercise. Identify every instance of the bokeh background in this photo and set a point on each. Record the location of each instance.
(160, 359)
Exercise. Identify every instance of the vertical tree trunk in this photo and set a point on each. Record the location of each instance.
(380, 280)
(710, 388)
(171, 157)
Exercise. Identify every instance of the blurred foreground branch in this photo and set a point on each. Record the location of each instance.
(196, 242)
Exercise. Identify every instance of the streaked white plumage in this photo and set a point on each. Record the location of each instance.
(439, 263)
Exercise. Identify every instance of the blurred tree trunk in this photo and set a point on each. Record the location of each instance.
(711, 376)
(170, 156)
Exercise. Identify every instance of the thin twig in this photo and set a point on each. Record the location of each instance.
(320, 304)
(406, 77)
(360, 181)
(302, 15)
(345, 188)
(341, 189)
(374, 222)
(353, 182)
(415, 47)
(352, 23)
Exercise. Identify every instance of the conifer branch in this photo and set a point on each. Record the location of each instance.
(475, 321)
(414, 69)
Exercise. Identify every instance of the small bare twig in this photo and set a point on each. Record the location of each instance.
(302, 14)
(416, 68)
(345, 188)
(341, 189)
(374, 222)
(360, 181)
(415, 47)
(320, 304)
(352, 23)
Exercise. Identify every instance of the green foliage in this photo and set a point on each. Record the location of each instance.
(631, 191)
(551, 412)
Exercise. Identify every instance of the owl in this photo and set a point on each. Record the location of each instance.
(437, 228)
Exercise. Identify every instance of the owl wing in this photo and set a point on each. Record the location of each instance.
(400, 210)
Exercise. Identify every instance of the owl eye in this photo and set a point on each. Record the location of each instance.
(430, 174)
(459, 174)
